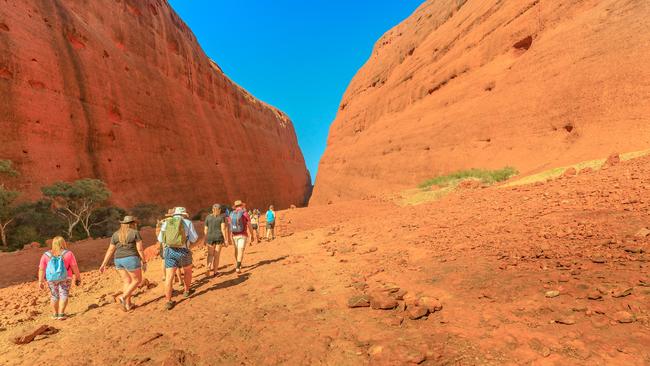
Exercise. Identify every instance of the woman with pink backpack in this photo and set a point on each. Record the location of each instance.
(57, 267)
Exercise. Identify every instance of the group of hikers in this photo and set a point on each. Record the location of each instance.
(175, 232)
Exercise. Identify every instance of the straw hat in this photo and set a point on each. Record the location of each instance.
(180, 211)
(128, 220)
(238, 203)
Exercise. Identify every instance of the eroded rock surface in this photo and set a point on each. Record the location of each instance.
(122, 91)
(484, 84)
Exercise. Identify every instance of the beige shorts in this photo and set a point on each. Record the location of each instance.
(240, 241)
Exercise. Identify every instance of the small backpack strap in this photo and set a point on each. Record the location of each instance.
(48, 254)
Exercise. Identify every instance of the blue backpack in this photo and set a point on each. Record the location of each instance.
(236, 221)
(56, 270)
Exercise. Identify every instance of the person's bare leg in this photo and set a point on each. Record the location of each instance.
(215, 259)
(211, 260)
(162, 267)
(187, 276)
(63, 303)
(171, 275)
(136, 278)
(126, 281)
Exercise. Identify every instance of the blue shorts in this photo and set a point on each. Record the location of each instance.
(177, 257)
(130, 264)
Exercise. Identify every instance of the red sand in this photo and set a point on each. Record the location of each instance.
(490, 256)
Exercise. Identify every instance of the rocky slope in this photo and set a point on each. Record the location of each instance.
(554, 273)
(122, 91)
(460, 84)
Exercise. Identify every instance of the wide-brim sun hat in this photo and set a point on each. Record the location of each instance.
(238, 203)
(128, 220)
(180, 211)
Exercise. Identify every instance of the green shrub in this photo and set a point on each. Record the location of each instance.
(106, 220)
(37, 215)
(148, 214)
(485, 176)
(23, 235)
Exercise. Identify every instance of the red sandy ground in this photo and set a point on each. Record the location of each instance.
(490, 255)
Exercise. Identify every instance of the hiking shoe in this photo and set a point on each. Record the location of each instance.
(61, 316)
(187, 294)
(170, 305)
(238, 270)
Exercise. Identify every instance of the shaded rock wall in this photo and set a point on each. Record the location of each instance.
(121, 91)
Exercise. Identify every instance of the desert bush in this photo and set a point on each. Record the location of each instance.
(148, 214)
(485, 176)
(105, 221)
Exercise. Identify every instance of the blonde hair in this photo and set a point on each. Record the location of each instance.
(58, 245)
(124, 232)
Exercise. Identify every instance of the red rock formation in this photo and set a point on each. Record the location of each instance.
(121, 91)
(460, 84)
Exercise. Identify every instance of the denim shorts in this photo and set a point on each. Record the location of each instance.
(130, 264)
(177, 257)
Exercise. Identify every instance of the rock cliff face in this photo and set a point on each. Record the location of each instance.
(488, 83)
(121, 90)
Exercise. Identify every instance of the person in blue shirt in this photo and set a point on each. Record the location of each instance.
(270, 223)
(177, 252)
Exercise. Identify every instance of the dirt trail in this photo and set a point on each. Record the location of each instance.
(514, 270)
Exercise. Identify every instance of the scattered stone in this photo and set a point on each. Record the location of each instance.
(594, 295)
(430, 303)
(551, 294)
(359, 301)
(622, 292)
(373, 249)
(417, 312)
(634, 250)
(587, 170)
(395, 354)
(382, 301)
(29, 337)
(311, 289)
(570, 172)
(399, 294)
(599, 260)
(644, 232)
(360, 285)
(624, 317)
(564, 278)
(566, 320)
(613, 159)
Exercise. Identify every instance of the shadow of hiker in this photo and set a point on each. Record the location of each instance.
(264, 263)
(221, 285)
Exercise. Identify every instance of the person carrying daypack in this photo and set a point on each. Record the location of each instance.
(57, 267)
(176, 233)
(240, 231)
(270, 224)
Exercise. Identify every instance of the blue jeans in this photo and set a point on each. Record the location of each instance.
(130, 264)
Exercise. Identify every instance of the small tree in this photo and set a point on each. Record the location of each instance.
(7, 201)
(7, 212)
(77, 201)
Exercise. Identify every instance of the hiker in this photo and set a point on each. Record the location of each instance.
(240, 231)
(57, 267)
(255, 220)
(270, 223)
(216, 235)
(178, 277)
(128, 252)
(176, 233)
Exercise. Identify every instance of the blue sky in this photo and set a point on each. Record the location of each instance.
(298, 55)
